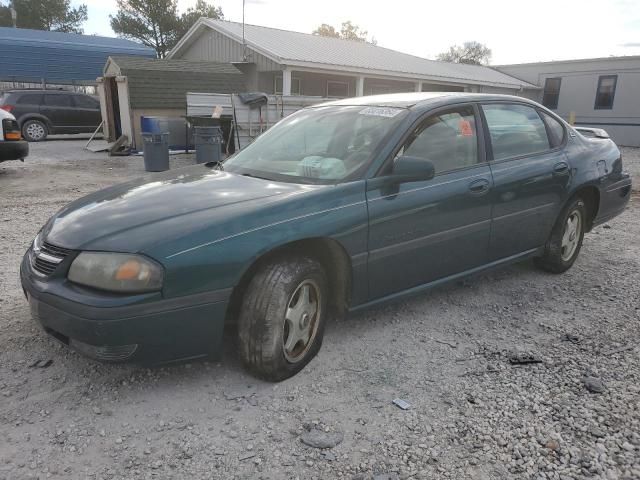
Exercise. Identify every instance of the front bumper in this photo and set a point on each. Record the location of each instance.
(148, 330)
(13, 150)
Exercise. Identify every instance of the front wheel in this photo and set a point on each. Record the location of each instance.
(282, 318)
(566, 238)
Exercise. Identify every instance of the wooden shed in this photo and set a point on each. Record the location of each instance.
(133, 87)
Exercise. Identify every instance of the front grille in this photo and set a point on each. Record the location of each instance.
(48, 257)
(44, 267)
(55, 251)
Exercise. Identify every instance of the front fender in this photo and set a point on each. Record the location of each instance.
(220, 258)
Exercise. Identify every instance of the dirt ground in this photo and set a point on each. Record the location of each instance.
(472, 415)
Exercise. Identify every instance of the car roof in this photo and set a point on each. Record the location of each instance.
(422, 99)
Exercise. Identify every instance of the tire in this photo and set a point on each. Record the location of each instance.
(35, 130)
(565, 241)
(272, 324)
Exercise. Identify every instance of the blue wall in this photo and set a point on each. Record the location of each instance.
(31, 55)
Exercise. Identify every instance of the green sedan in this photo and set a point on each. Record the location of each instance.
(337, 208)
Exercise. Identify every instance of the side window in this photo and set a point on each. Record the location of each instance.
(515, 130)
(606, 91)
(30, 99)
(556, 130)
(83, 101)
(448, 140)
(551, 92)
(59, 100)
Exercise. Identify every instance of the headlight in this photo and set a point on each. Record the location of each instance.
(37, 242)
(116, 272)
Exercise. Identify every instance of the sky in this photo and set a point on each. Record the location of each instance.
(515, 31)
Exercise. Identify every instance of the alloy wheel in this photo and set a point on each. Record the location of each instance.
(301, 321)
(35, 131)
(571, 235)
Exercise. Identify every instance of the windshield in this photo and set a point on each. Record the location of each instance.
(317, 145)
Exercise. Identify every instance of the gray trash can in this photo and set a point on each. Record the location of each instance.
(156, 151)
(208, 142)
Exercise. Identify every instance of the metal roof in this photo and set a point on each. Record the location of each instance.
(303, 49)
(164, 83)
(31, 55)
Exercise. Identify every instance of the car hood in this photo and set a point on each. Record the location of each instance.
(172, 202)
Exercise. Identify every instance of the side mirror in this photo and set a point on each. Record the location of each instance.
(412, 169)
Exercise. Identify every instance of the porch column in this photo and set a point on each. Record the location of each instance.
(360, 86)
(419, 86)
(286, 82)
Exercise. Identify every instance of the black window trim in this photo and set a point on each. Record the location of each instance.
(483, 159)
(613, 93)
(526, 155)
(548, 128)
(544, 92)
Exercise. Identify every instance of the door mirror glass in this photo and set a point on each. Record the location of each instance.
(407, 168)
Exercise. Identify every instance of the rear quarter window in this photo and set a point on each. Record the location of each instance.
(556, 130)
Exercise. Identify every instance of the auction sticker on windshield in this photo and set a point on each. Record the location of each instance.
(381, 111)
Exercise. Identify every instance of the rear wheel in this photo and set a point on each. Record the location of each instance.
(281, 321)
(34, 130)
(566, 238)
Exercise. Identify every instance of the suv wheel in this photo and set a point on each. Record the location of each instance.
(34, 130)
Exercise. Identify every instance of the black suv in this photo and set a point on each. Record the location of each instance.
(43, 112)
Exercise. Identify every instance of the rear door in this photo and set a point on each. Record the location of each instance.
(87, 114)
(59, 109)
(531, 177)
(423, 231)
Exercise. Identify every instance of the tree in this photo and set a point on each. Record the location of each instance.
(191, 16)
(348, 31)
(472, 53)
(156, 23)
(54, 15)
(325, 30)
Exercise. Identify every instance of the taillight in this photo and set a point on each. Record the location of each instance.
(11, 129)
(7, 108)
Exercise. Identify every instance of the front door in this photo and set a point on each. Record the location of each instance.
(531, 176)
(422, 231)
(87, 114)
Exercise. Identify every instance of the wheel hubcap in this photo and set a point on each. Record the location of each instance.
(35, 131)
(571, 235)
(301, 321)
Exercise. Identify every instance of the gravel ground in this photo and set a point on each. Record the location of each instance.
(472, 415)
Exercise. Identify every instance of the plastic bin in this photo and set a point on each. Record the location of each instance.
(156, 151)
(208, 142)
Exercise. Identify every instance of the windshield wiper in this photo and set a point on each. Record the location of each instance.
(254, 176)
(217, 165)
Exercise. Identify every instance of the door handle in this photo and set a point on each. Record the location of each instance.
(479, 187)
(561, 168)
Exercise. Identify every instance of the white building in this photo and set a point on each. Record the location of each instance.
(596, 92)
(293, 63)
